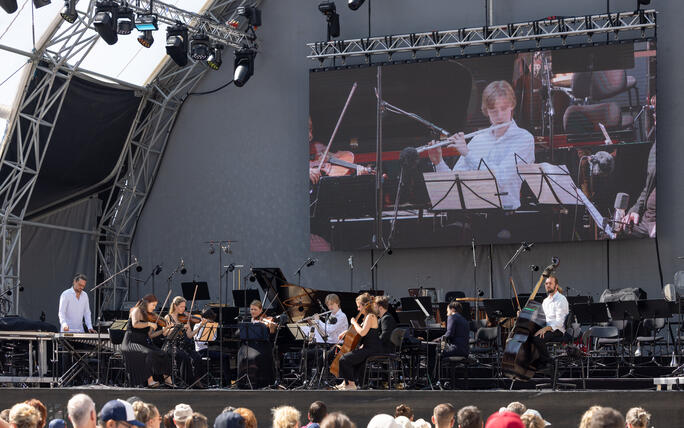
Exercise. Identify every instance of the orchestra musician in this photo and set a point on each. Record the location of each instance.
(341, 324)
(201, 346)
(387, 322)
(74, 307)
(352, 362)
(456, 338)
(255, 356)
(556, 310)
(501, 148)
(143, 359)
(190, 362)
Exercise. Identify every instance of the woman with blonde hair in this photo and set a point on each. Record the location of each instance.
(189, 360)
(286, 417)
(586, 417)
(637, 417)
(24, 415)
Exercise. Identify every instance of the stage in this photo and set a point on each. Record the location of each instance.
(562, 409)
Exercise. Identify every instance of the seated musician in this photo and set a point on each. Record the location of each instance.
(255, 356)
(352, 362)
(456, 338)
(74, 307)
(256, 310)
(501, 148)
(556, 309)
(144, 360)
(202, 346)
(387, 322)
(187, 358)
(328, 328)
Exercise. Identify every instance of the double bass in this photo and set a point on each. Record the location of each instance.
(351, 341)
(520, 354)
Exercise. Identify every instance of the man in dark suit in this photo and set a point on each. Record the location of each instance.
(387, 323)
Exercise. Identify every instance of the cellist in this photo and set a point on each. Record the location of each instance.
(352, 362)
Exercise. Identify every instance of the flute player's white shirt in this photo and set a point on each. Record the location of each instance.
(500, 156)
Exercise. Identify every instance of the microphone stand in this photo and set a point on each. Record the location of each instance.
(477, 307)
(509, 265)
(308, 262)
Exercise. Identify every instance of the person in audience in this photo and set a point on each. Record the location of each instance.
(228, 409)
(607, 417)
(197, 420)
(383, 420)
(118, 414)
(530, 420)
(41, 409)
(229, 420)
(4, 415)
(537, 414)
(141, 411)
(337, 420)
(317, 411)
(57, 423)
(81, 411)
(155, 417)
(248, 416)
(404, 410)
(516, 407)
(23, 415)
(167, 420)
(504, 420)
(285, 417)
(586, 417)
(443, 415)
(637, 417)
(181, 413)
(469, 417)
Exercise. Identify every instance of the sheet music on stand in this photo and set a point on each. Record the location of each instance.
(463, 190)
(550, 184)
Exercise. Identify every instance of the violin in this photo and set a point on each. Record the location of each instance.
(339, 164)
(152, 317)
(185, 317)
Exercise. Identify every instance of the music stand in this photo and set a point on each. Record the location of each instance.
(590, 313)
(463, 190)
(410, 304)
(652, 309)
(296, 330)
(244, 297)
(573, 300)
(624, 311)
(189, 290)
(405, 317)
(207, 333)
(499, 308)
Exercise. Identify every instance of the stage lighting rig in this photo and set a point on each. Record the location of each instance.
(125, 20)
(200, 47)
(146, 22)
(214, 61)
(328, 9)
(105, 21)
(146, 39)
(243, 66)
(40, 3)
(10, 6)
(252, 14)
(177, 43)
(68, 13)
(355, 4)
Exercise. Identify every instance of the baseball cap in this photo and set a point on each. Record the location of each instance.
(119, 410)
(57, 423)
(182, 412)
(504, 420)
(536, 413)
(229, 420)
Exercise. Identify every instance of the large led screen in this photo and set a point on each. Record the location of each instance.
(541, 146)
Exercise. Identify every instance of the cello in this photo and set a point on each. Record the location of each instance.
(351, 341)
(520, 354)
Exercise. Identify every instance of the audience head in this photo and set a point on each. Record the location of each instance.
(516, 407)
(337, 420)
(248, 416)
(57, 423)
(118, 413)
(229, 420)
(530, 420)
(41, 409)
(285, 417)
(469, 417)
(403, 410)
(81, 411)
(4, 415)
(637, 417)
(383, 421)
(586, 417)
(197, 420)
(142, 411)
(167, 419)
(155, 417)
(317, 411)
(23, 415)
(181, 414)
(443, 415)
(504, 419)
(607, 417)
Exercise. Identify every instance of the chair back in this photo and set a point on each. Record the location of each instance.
(487, 334)
(601, 332)
(397, 338)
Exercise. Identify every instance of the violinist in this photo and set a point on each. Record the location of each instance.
(556, 310)
(189, 361)
(352, 362)
(256, 310)
(143, 359)
(255, 356)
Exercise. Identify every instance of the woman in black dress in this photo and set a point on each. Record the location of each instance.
(352, 362)
(144, 360)
(255, 356)
(189, 361)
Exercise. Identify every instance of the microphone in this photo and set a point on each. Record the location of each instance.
(157, 270)
(311, 261)
(527, 246)
(138, 268)
(350, 260)
(332, 320)
(534, 268)
(183, 270)
(480, 293)
(601, 163)
(621, 204)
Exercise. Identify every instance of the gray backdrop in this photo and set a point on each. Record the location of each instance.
(235, 167)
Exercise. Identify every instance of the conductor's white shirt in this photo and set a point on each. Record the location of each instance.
(73, 310)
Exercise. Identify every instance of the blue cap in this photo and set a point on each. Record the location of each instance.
(119, 410)
(229, 420)
(57, 423)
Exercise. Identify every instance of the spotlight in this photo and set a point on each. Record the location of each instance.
(10, 6)
(177, 44)
(243, 66)
(252, 277)
(252, 13)
(328, 9)
(231, 267)
(69, 12)
(105, 21)
(125, 20)
(146, 23)
(199, 47)
(146, 39)
(214, 61)
(41, 3)
(644, 1)
(355, 4)
(138, 268)
(183, 270)
(157, 270)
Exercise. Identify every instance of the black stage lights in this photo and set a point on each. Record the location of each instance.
(68, 13)
(199, 47)
(244, 66)
(214, 61)
(252, 13)
(125, 21)
(105, 21)
(355, 4)
(41, 3)
(146, 23)
(146, 39)
(328, 9)
(177, 43)
(10, 6)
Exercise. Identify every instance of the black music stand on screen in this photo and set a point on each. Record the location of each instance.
(590, 313)
(499, 308)
(463, 190)
(244, 297)
(624, 311)
(189, 290)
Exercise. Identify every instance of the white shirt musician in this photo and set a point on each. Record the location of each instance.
(74, 307)
(501, 149)
(556, 309)
(332, 330)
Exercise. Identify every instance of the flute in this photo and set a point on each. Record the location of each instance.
(466, 136)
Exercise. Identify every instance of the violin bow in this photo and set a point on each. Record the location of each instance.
(165, 302)
(193, 301)
(339, 121)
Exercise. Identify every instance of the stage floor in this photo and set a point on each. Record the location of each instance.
(562, 409)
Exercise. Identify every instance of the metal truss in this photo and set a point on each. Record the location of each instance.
(586, 27)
